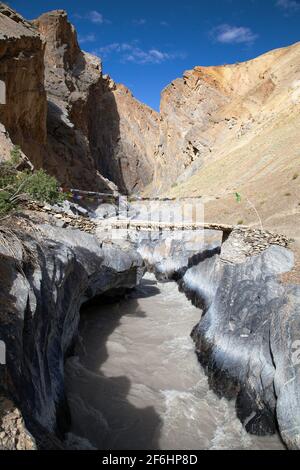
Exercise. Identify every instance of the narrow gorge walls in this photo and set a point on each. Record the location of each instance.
(68, 118)
(22, 72)
(126, 135)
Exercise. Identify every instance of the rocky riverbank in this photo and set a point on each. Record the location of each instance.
(248, 334)
(246, 339)
(47, 273)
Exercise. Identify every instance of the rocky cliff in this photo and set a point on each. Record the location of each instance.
(23, 111)
(235, 128)
(69, 119)
(220, 129)
(47, 273)
(247, 339)
(73, 82)
(126, 138)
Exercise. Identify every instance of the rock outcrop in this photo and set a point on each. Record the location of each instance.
(73, 81)
(126, 138)
(13, 433)
(247, 338)
(234, 128)
(23, 112)
(47, 273)
(68, 119)
(95, 127)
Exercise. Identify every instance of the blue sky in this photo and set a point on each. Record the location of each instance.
(146, 44)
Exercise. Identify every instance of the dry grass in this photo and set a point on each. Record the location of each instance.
(293, 277)
(13, 239)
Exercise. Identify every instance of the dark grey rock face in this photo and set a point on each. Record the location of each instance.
(285, 347)
(247, 336)
(44, 281)
(169, 258)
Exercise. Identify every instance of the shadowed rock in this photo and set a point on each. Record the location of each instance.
(44, 282)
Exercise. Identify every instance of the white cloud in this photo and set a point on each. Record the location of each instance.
(288, 5)
(94, 16)
(227, 34)
(152, 56)
(131, 52)
(139, 22)
(87, 38)
(164, 23)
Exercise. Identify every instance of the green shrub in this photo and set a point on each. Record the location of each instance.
(8, 175)
(41, 187)
(5, 204)
(38, 186)
(240, 222)
(15, 155)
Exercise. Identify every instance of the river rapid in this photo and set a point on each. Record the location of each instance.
(135, 382)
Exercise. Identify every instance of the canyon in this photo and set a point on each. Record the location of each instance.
(76, 304)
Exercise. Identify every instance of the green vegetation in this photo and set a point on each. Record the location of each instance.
(17, 186)
(238, 199)
(15, 155)
(41, 186)
(240, 222)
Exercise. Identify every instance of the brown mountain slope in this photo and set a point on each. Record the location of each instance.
(235, 128)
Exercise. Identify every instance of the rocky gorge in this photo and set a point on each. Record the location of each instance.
(55, 266)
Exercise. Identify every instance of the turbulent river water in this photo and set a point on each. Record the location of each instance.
(136, 382)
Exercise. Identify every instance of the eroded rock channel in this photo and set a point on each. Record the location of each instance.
(131, 378)
(136, 382)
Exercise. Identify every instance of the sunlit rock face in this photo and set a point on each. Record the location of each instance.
(247, 338)
(219, 112)
(73, 81)
(95, 127)
(23, 107)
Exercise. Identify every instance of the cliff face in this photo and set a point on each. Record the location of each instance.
(94, 125)
(46, 275)
(247, 337)
(235, 128)
(73, 81)
(22, 71)
(69, 119)
(126, 137)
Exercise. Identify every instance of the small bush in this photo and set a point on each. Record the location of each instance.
(295, 176)
(15, 155)
(240, 222)
(41, 187)
(287, 194)
(5, 204)
(8, 175)
(38, 186)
